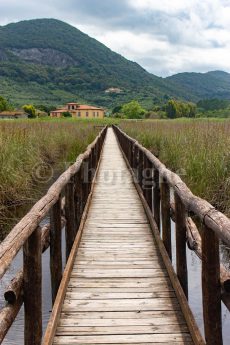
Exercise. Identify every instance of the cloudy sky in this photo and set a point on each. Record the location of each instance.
(164, 36)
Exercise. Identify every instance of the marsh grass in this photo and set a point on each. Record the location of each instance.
(199, 150)
(28, 145)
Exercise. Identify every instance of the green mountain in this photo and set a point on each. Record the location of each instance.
(46, 61)
(214, 84)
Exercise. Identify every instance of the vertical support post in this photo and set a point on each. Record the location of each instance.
(55, 247)
(165, 217)
(211, 287)
(70, 229)
(135, 162)
(32, 287)
(140, 168)
(181, 258)
(149, 177)
(78, 199)
(156, 198)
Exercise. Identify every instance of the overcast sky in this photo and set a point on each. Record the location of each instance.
(164, 36)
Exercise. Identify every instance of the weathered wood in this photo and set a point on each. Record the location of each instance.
(56, 247)
(211, 288)
(194, 243)
(148, 183)
(56, 311)
(208, 215)
(15, 288)
(181, 258)
(32, 289)
(165, 216)
(121, 273)
(156, 198)
(193, 328)
(19, 234)
(7, 316)
(70, 217)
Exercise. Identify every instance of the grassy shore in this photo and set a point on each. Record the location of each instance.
(199, 150)
(32, 152)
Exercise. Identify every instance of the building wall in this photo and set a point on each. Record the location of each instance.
(91, 114)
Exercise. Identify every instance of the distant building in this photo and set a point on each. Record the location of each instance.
(17, 114)
(79, 111)
(114, 90)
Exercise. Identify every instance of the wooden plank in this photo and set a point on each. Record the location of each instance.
(95, 330)
(126, 316)
(124, 339)
(118, 282)
(119, 291)
(122, 304)
(74, 294)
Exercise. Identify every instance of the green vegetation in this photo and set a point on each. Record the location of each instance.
(196, 149)
(133, 110)
(215, 84)
(32, 153)
(46, 61)
(4, 104)
(175, 109)
(30, 110)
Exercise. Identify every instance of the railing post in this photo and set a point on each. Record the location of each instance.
(78, 199)
(181, 258)
(140, 168)
(156, 198)
(55, 247)
(135, 162)
(148, 174)
(165, 217)
(32, 287)
(211, 287)
(70, 228)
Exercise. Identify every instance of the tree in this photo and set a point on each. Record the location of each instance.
(175, 109)
(171, 109)
(133, 110)
(4, 104)
(30, 110)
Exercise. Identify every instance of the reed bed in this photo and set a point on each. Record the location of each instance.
(198, 150)
(33, 153)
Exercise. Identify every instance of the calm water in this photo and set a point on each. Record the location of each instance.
(15, 335)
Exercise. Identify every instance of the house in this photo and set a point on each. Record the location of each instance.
(17, 114)
(79, 111)
(114, 90)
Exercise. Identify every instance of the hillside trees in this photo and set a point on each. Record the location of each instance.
(133, 110)
(4, 104)
(175, 109)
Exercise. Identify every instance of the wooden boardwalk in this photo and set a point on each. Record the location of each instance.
(119, 290)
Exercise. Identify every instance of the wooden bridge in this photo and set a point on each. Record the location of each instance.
(119, 285)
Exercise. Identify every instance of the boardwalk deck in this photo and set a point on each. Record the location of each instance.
(119, 290)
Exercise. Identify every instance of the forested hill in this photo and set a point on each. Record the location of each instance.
(49, 61)
(215, 84)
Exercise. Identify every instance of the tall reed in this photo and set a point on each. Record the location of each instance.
(199, 150)
(29, 152)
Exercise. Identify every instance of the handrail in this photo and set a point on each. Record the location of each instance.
(74, 184)
(215, 227)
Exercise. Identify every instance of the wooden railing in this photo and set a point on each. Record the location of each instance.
(168, 198)
(64, 203)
